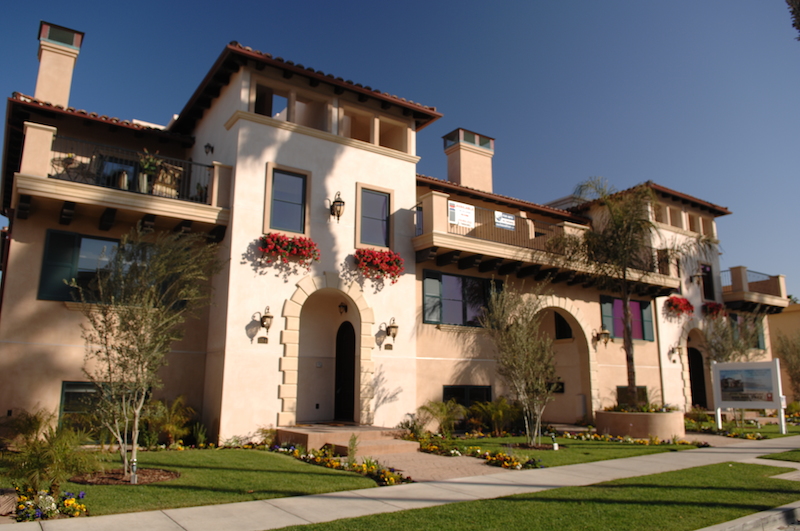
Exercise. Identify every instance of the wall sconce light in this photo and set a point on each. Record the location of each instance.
(697, 279)
(266, 319)
(337, 206)
(603, 335)
(209, 148)
(391, 329)
(342, 308)
(674, 354)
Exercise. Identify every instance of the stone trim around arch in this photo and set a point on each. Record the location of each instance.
(563, 303)
(290, 339)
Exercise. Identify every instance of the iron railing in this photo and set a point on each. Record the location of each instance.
(124, 169)
(756, 283)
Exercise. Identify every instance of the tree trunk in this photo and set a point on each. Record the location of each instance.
(627, 344)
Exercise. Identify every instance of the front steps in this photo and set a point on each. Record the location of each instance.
(372, 441)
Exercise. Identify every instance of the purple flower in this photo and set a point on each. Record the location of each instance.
(81, 495)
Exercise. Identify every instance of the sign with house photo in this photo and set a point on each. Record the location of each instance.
(754, 385)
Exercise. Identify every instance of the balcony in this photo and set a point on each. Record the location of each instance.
(111, 167)
(750, 291)
(471, 236)
(109, 183)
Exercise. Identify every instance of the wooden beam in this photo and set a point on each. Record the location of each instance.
(563, 276)
(67, 213)
(148, 222)
(107, 219)
(217, 234)
(528, 271)
(423, 255)
(544, 273)
(490, 265)
(509, 268)
(447, 258)
(183, 226)
(24, 207)
(468, 262)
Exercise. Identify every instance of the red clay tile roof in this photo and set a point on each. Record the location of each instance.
(235, 55)
(563, 215)
(663, 191)
(20, 98)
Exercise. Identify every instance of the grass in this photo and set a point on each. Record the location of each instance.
(791, 455)
(672, 501)
(770, 430)
(217, 476)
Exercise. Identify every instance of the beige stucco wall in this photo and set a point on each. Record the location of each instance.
(786, 323)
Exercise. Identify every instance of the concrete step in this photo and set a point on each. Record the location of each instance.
(318, 436)
(379, 447)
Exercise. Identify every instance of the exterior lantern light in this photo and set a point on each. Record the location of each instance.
(337, 206)
(603, 335)
(391, 329)
(266, 319)
(342, 308)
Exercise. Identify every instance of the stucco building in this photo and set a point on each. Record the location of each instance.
(265, 145)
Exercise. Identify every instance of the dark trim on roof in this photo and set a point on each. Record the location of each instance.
(235, 56)
(534, 208)
(663, 191)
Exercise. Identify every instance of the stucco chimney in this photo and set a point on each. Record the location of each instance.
(469, 159)
(58, 50)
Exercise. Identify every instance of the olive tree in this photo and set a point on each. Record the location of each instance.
(525, 355)
(135, 307)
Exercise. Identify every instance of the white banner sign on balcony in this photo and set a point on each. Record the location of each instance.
(503, 220)
(461, 214)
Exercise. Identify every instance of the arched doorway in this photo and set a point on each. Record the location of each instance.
(345, 379)
(697, 378)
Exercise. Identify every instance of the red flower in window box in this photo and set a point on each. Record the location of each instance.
(279, 247)
(677, 306)
(378, 265)
(714, 309)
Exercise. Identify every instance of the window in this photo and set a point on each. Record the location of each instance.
(375, 211)
(624, 397)
(273, 103)
(68, 255)
(642, 318)
(708, 282)
(466, 395)
(287, 201)
(662, 257)
(454, 300)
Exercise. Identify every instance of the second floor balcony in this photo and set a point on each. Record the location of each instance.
(751, 291)
(474, 237)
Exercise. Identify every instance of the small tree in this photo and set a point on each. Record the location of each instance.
(617, 252)
(135, 308)
(788, 350)
(446, 414)
(730, 338)
(525, 356)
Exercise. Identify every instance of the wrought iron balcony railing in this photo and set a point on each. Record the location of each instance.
(129, 170)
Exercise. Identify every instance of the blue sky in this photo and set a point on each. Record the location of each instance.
(696, 96)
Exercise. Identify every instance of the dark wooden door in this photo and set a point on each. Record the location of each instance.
(345, 399)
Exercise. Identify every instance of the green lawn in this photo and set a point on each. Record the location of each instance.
(770, 430)
(792, 455)
(217, 476)
(673, 501)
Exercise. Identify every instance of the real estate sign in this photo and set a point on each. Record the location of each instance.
(753, 385)
(461, 214)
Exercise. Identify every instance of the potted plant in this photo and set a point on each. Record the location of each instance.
(149, 165)
(713, 309)
(279, 247)
(676, 306)
(379, 265)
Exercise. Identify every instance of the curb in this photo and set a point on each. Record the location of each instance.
(769, 520)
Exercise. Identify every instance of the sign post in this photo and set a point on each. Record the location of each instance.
(753, 385)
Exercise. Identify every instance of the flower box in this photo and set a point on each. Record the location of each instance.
(379, 265)
(278, 247)
(677, 306)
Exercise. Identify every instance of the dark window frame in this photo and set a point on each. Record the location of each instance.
(613, 323)
(276, 224)
(434, 303)
(466, 395)
(368, 220)
(63, 264)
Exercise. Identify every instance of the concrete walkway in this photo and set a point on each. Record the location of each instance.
(281, 512)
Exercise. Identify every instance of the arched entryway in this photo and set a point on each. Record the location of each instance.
(345, 377)
(697, 378)
(314, 317)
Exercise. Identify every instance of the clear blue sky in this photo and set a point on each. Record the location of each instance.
(699, 96)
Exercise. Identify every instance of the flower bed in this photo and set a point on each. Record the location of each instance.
(44, 505)
(370, 468)
(378, 265)
(279, 247)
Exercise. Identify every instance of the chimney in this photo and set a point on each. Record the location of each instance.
(58, 50)
(469, 159)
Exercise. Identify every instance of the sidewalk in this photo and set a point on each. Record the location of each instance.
(281, 512)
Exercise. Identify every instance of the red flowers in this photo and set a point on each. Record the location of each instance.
(713, 309)
(378, 265)
(277, 246)
(678, 306)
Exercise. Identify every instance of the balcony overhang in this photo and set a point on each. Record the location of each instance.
(92, 199)
(488, 256)
(749, 301)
